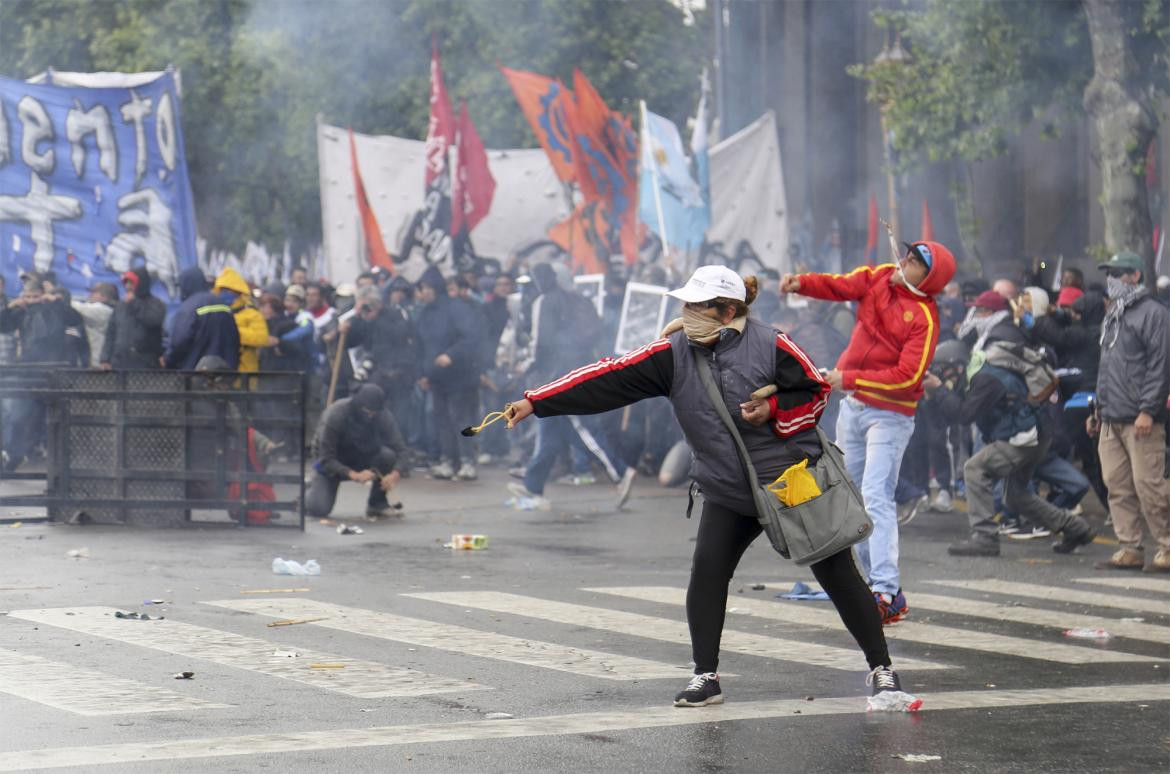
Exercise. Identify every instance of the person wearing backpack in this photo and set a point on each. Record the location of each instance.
(1016, 436)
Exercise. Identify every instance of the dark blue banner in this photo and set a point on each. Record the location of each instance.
(93, 182)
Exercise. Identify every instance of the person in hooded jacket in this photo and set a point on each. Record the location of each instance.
(883, 367)
(135, 331)
(450, 344)
(233, 290)
(202, 326)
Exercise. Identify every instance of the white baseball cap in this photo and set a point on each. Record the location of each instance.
(710, 282)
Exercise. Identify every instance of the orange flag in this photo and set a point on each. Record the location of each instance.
(375, 247)
(584, 236)
(927, 226)
(545, 102)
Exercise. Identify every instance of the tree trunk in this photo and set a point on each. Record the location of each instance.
(1125, 127)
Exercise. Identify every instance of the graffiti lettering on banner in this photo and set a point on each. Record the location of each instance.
(93, 182)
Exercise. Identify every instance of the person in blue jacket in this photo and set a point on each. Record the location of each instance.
(203, 325)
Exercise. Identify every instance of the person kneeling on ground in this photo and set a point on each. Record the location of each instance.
(357, 440)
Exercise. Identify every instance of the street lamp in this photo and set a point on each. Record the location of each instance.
(890, 56)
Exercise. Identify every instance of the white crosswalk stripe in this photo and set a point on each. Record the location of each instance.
(664, 629)
(790, 715)
(1132, 582)
(59, 685)
(354, 677)
(908, 631)
(461, 639)
(1056, 594)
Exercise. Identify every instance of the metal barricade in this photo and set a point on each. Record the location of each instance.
(164, 448)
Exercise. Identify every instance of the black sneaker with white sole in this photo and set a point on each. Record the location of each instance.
(703, 689)
(888, 695)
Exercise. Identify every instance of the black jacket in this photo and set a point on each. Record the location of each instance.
(392, 343)
(346, 440)
(42, 330)
(135, 333)
(1077, 344)
(447, 327)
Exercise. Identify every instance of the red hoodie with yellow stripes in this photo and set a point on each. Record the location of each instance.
(896, 332)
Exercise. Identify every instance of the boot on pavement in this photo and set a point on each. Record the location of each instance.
(1125, 558)
(1076, 533)
(976, 545)
(1161, 561)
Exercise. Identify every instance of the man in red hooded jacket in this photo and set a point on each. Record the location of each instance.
(882, 370)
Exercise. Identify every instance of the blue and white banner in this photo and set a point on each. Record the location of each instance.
(670, 201)
(93, 182)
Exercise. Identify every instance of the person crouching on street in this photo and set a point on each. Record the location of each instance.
(359, 441)
(779, 431)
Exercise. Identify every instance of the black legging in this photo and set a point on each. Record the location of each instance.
(723, 537)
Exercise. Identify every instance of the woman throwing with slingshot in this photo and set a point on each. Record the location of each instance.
(778, 431)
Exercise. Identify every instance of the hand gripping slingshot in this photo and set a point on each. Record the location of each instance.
(491, 418)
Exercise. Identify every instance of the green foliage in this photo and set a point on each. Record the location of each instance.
(256, 73)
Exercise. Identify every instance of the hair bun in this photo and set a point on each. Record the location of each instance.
(753, 288)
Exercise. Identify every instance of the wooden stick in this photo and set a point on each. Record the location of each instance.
(294, 622)
(270, 591)
(336, 365)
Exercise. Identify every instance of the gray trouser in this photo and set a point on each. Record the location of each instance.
(1014, 465)
(323, 489)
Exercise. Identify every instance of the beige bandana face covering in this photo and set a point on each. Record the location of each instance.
(702, 329)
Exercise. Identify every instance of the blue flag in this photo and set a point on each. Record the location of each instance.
(93, 182)
(670, 201)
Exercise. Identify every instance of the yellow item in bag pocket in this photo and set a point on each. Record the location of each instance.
(795, 485)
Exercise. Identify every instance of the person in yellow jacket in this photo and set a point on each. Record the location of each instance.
(233, 290)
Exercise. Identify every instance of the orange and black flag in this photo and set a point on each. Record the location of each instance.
(546, 102)
(375, 247)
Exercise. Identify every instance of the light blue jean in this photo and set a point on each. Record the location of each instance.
(873, 441)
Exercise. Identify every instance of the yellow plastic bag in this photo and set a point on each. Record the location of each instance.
(795, 485)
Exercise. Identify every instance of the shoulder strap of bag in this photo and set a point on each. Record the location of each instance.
(721, 408)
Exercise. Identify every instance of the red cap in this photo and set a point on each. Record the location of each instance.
(989, 299)
(130, 277)
(1068, 295)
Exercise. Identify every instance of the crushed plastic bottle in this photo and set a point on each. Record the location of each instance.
(893, 701)
(1088, 634)
(290, 567)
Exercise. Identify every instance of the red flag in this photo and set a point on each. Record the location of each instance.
(927, 225)
(441, 128)
(606, 154)
(473, 186)
(871, 233)
(376, 253)
(545, 102)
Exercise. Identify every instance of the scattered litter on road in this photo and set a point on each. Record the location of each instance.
(286, 654)
(16, 525)
(803, 591)
(25, 588)
(917, 758)
(271, 591)
(326, 666)
(893, 701)
(733, 610)
(294, 622)
(367, 709)
(34, 537)
(498, 716)
(468, 542)
(1035, 561)
(154, 602)
(327, 522)
(1088, 634)
(758, 587)
(137, 616)
(345, 529)
(1134, 619)
(78, 553)
(185, 676)
(290, 567)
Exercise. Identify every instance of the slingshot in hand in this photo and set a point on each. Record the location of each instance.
(494, 416)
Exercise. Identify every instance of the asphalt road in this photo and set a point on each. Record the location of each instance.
(559, 647)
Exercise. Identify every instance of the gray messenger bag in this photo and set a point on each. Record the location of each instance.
(817, 528)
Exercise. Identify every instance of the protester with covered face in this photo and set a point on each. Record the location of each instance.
(391, 346)
(135, 332)
(357, 441)
(883, 367)
(233, 290)
(1133, 382)
(202, 326)
(450, 344)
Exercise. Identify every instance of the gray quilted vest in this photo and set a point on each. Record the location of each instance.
(741, 364)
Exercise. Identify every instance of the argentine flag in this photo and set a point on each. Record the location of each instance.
(670, 202)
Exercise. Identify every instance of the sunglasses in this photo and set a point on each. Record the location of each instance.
(700, 305)
(1117, 273)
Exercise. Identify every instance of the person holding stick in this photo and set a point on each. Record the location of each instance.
(779, 431)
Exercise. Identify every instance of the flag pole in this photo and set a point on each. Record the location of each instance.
(657, 187)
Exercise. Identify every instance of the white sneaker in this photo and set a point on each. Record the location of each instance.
(484, 459)
(942, 502)
(466, 472)
(625, 485)
(442, 470)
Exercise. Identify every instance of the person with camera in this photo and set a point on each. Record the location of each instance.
(390, 343)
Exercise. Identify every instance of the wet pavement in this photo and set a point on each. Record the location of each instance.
(558, 647)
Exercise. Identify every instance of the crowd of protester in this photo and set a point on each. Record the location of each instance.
(445, 349)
